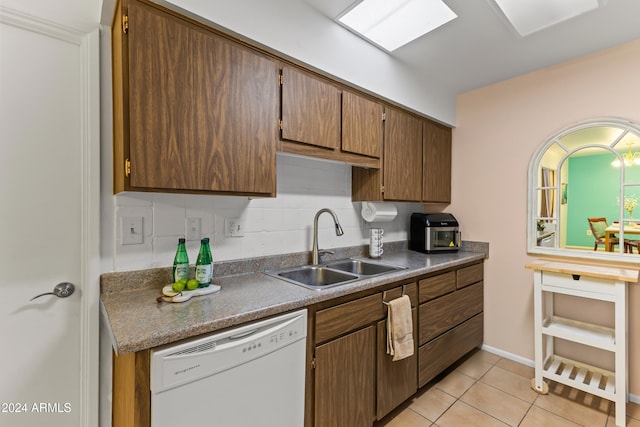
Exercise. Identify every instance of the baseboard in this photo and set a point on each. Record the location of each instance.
(528, 362)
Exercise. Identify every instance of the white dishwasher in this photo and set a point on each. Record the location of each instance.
(252, 375)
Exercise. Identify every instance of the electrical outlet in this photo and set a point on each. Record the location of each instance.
(589, 233)
(192, 229)
(132, 230)
(233, 227)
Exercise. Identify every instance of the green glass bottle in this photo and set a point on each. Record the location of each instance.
(204, 264)
(181, 262)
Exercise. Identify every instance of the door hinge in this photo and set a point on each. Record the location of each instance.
(313, 363)
(280, 79)
(280, 124)
(384, 116)
(125, 23)
(127, 168)
(382, 189)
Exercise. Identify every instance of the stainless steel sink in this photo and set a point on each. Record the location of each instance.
(332, 274)
(314, 277)
(362, 268)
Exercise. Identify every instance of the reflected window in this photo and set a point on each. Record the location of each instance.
(591, 170)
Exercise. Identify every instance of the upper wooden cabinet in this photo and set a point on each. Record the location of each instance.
(400, 178)
(402, 156)
(321, 120)
(412, 171)
(361, 125)
(436, 184)
(310, 110)
(193, 111)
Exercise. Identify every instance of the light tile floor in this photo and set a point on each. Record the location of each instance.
(487, 390)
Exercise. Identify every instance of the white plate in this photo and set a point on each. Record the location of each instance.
(187, 294)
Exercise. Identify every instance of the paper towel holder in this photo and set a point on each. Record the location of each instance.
(378, 212)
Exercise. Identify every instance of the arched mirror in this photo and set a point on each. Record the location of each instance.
(584, 192)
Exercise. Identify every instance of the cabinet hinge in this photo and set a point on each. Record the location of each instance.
(280, 79)
(313, 363)
(127, 168)
(382, 189)
(125, 23)
(384, 116)
(280, 124)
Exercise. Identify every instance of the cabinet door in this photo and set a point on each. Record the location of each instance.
(361, 125)
(402, 156)
(310, 110)
(344, 380)
(436, 186)
(396, 381)
(202, 110)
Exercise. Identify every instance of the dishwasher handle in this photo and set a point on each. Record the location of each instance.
(242, 335)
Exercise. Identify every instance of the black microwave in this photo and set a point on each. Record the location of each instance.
(434, 232)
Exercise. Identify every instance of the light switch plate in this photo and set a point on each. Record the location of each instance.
(132, 230)
(192, 229)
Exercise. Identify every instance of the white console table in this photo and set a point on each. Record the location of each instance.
(602, 283)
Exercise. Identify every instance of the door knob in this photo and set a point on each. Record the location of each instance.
(61, 290)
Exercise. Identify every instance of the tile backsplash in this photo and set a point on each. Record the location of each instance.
(272, 226)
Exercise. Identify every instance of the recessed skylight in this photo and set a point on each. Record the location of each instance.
(393, 23)
(529, 16)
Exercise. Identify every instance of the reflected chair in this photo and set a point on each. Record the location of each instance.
(598, 225)
(630, 244)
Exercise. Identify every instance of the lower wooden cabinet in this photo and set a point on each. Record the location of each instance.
(344, 380)
(355, 381)
(437, 355)
(351, 381)
(396, 381)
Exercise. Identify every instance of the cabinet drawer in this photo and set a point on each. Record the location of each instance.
(433, 287)
(442, 352)
(410, 289)
(579, 286)
(339, 320)
(469, 275)
(439, 315)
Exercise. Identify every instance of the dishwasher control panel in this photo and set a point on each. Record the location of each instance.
(173, 365)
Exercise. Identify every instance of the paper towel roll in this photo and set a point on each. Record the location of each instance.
(378, 212)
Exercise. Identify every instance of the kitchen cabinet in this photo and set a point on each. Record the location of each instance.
(356, 381)
(194, 111)
(310, 110)
(345, 369)
(395, 381)
(361, 125)
(350, 379)
(345, 364)
(400, 178)
(450, 319)
(436, 163)
(321, 120)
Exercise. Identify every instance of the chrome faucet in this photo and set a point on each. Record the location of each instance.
(315, 258)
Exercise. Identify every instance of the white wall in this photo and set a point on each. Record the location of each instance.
(272, 225)
(500, 127)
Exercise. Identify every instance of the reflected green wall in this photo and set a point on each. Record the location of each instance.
(592, 191)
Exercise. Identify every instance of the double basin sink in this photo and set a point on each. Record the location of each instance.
(333, 273)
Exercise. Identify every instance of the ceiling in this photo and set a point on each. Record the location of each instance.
(480, 47)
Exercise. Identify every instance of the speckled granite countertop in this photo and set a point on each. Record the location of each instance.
(137, 322)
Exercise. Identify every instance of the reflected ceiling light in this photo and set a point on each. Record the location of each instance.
(628, 158)
(529, 16)
(390, 24)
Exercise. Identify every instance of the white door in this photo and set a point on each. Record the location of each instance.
(49, 203)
